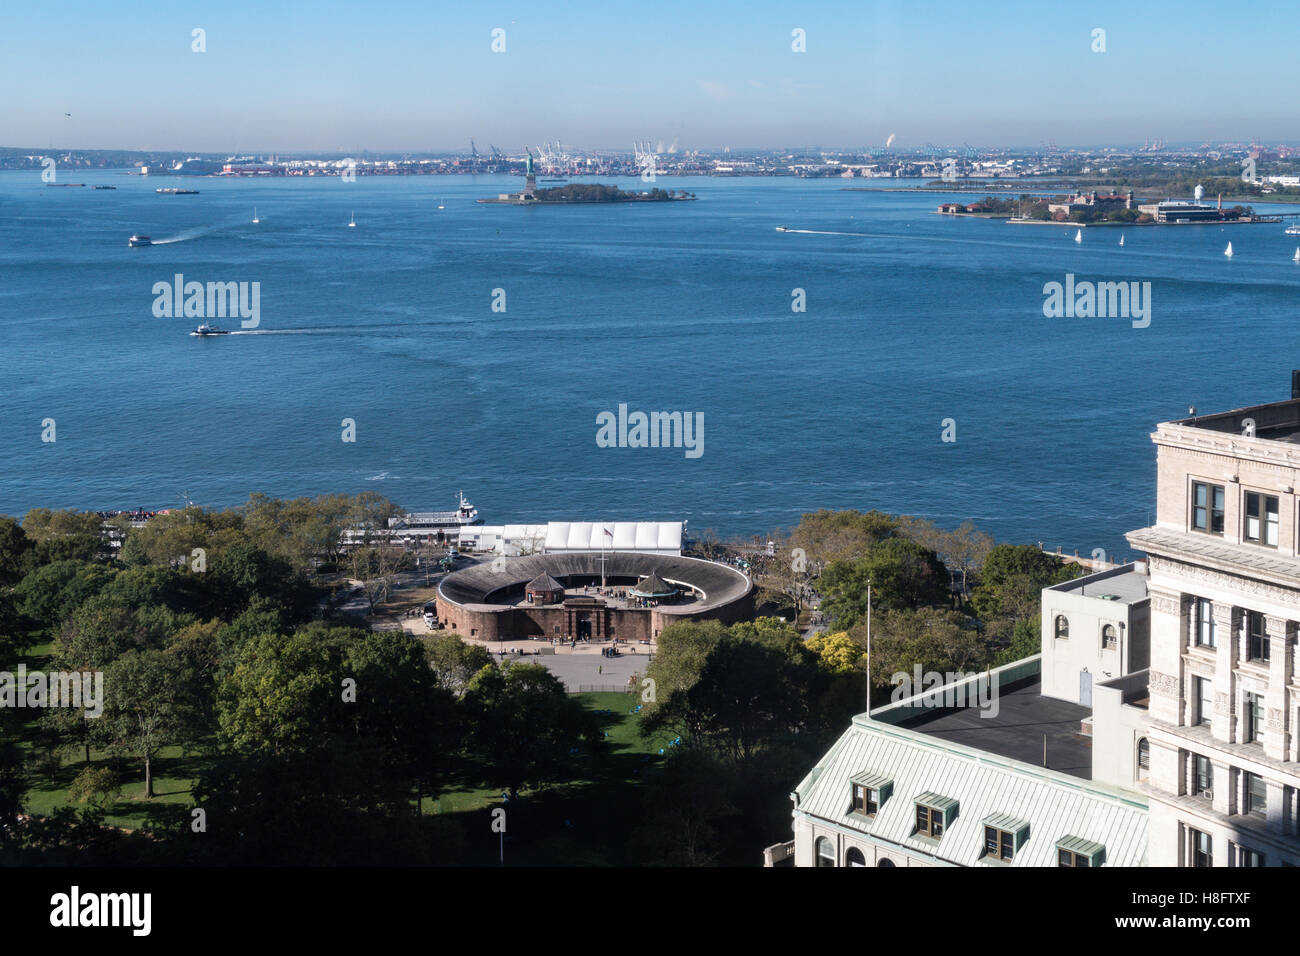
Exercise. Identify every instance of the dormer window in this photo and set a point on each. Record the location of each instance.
(934, 814)
(1076, 851)
(868, 792)
(1004, 835)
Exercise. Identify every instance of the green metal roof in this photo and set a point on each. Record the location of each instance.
(935, 801)
(1005, 821)
(1079, 846)
(872, 781)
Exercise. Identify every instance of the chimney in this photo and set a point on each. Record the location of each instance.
(1295, 383)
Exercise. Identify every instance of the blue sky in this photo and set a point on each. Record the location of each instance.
(422, 76)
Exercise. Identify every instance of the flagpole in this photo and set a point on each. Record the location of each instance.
(868, 647)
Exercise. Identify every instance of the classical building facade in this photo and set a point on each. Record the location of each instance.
(1224, 559)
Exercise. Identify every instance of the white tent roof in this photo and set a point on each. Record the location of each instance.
(614, 536)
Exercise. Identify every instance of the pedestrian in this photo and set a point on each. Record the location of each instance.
(600, 669)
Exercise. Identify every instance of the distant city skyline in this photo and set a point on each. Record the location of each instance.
(340, 78)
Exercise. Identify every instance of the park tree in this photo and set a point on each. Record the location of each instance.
(1011, 582)
(48, 594)
(937, 639)
(829, 536)
(63, 535)
(523, 727)
(15, 547)
(902, 574)
(454, 663)
(145, 708)
(285, 691)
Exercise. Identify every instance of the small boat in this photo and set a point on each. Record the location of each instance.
(1121, 238)
(353, 223)
(255, 219)
(205, 330)
(1290, 230)
(176, 191)
(103, 187)
(1296, 257)
(782, 229)
(1078, 235)
(1228, 251)
(139, 241)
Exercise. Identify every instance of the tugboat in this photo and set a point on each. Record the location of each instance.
(139, 241)
(205, 330)
(782, 229)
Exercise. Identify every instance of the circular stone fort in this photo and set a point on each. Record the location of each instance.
(610, 596)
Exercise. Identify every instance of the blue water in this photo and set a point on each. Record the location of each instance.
(665, 307)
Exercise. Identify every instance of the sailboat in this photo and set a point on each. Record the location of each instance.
(1228, 251)
(1078, 235)
(353, 223)
(255, 219)
(1121, 238)
(441, 206)
(1296, 257)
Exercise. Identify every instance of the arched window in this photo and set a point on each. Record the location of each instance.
(1144, 760)
(854, 857)
(825, 852)
(1109, 638)
(1062, 627)
(885, 861)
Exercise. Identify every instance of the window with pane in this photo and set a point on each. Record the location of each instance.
(929, 821)
(1109, 637)
(1256, 795)
(1144, 760)
(865, 800)
(1249, 857)
(998, 844)
(1257, 648)
(1062, 627)
(1202, 854)
(1205, 631)
(1207, 507)
(1254, 718)
(1204, 712)
(1261, 519)
(854, 857)
(1202, 776)
(825, 852)
(1067, 858)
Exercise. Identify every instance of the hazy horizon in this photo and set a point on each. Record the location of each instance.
(331, 78)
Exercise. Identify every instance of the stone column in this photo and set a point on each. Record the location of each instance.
(1227, 622)
(1170, 616)
(1277, 732)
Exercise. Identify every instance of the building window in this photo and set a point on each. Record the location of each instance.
(1202, 776)
(1062, 627)
(1261, 519)
(1256, 795)
(1257, 648)
(885, 861)
(1204, 700)
(1207, 508)
(1144, 760)
(1067, 858)
(929, 822)
(854, 857)
(1247, 857)
(825, 852)
(1254, 718)
(1201, 849)
(1109, 639)
(1205, 636)
(865, 800)
(998, 844)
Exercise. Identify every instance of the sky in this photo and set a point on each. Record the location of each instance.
(422, 76)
